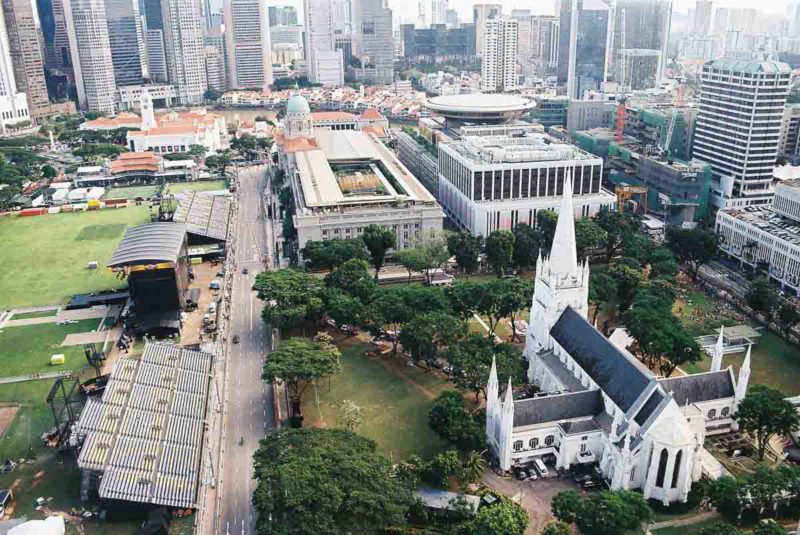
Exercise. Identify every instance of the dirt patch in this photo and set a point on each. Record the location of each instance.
(6, 417)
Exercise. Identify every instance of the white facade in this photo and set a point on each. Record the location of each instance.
(499, 56)
(319, 40)
(491, 182)
(738, 128)
(90, 51)
(480, 14)
(373, 42)
(293, 35)
(13, 105)
(185, 54)
(439, 11)
(601, 405)
(156, 56)
(329, 68)
(789, 143)
(247, 36)
(215, 69)
(130, 96)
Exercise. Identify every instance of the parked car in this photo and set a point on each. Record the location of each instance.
(540, 467)
(235, 339)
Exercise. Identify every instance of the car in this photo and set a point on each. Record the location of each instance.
(235, 339)
(244, 271)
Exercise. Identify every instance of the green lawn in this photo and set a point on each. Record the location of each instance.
(37, 314)
(27, 349)
(132, 192)
(395, 410)
(44, 258)
(205, 185)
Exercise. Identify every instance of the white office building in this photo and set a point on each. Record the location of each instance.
(497, 176)
(439, 11)
(13, 105)
(499, 56)
(156, 56)
(322, 68)
(480, 14)
(247, 38)
(287, 35)
(185, 50)
(373, 42)
(90, 50)
(738, 128)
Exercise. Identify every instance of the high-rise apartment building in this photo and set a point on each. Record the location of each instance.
(319, 40)
(248, 44)
(282, 15)
(738, 127)
(702, 17)
(480, 14)
(185, 51)
(499, 58)
(373, 42)
(26, 49)
(642, 25)
(524, 33)
(586, 36)
(156, 56)
(90, 51)
(13, 104)
(128, 47)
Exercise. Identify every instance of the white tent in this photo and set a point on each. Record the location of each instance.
(53, 525)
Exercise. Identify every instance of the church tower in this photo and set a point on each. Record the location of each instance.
(560, 280)
(148, 115)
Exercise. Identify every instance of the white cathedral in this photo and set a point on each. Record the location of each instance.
(597, 403)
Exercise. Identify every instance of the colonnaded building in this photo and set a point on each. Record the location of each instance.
(344, 180)
(597, 403)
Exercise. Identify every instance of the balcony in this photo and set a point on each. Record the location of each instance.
(586, 457)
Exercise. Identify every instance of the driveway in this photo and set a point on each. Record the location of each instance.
(536, 496)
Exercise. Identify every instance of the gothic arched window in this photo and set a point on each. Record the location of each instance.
(712, 414)
(662, 468)
(677, 469)
(549, 439)
(533, 443)
(725, 411)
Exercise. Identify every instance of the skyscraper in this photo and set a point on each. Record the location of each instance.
(499, 59)
(90, 50)
(282, 15)
(373, 42)
(128, 49)
(702, 17)
(480, 14)
(185, 51)
(54, 32)
(644, 25)
(439, 11)
(13, 104)
(585, 29)
(247, 44)
(342, 16)
(26, 49)
(544, 39)
(738, 127)
(524, 37)
(156, 56)
(319, 39)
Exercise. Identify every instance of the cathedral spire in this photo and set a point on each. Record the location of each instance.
(718, 351)
(744, 376)
(563, 255)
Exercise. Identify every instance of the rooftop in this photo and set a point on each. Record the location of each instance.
(767, 220)
(204, 214)
(479, 102)
(530, 147)
(145, 434)
(149, 243)
(749, 66)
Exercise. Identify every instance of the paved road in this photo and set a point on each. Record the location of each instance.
(248, 400)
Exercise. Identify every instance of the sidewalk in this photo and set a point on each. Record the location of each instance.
(687, 521)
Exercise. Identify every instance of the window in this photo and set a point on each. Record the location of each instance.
(518, 445)
(662, 468)
(725, 411)
(712, 414)
(549, 439)
(584, 438)
(583, 448)
(533, 443)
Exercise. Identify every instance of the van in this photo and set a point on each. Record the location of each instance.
(540, 467)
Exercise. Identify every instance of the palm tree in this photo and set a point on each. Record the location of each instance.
(474, 466)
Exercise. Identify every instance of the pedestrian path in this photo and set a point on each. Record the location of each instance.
(686, 521)
(34, 377)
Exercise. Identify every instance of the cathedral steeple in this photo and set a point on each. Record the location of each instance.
(563, 254)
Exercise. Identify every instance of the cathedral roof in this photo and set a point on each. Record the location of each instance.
(619, 376)
(556, 408)
(700, 387)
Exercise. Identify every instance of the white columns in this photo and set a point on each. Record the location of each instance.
(687, 460)
(655, 457)
(666, 487)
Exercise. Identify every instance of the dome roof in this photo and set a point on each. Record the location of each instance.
(297, 104)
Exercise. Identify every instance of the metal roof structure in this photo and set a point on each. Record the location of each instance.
(149, 243)
(145, 435)
(203, 214)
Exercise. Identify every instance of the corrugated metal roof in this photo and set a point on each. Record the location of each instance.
(204, 214)
(750, 66)
(153, 242)
(146, 432)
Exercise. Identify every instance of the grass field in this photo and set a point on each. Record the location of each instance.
(36, 314)
(206, 185)
(132, 192)
(395, 399)
(44, 258)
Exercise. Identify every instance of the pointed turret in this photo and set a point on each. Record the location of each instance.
(744, 377)
(492, 393)
(563, 255)
(717, 352)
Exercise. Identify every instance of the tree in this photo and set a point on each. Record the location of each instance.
(764, 412)
(557, 527)
(769, 527)
(566, 505)
(442, 467)
(48, 171)
(467, 250)
(503, 518)
(290, 297)
(343, 308)
(546, 221)
(627, 279)
(512, 295)
(312, 481)
(427, 336)
(426, 256)
(448, 418)
(330, 254)
(474, 467)
(378, 240)
(789, 317)
(588, 235)
(693, 247)
(617, 225)
(300, 361)
(351, 416)
(527, 243)
(353, 278)
(500, 250)
(723, 493)
(602, 288)
(107, 150)
(471, 361)
(219, 162)
(720, 528)
(612, 513)
(762, 296)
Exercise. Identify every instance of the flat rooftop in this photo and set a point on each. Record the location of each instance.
(204, 214)
(352, 167)
(531, 147)
(764, 218)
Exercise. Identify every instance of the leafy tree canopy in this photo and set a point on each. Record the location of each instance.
(378, 241)
(500, 250)
(466, 249)
(502, 518)
(694, 247)
(764, 412)
(448, 417)
(290, 297)
(471, 361)
(330, 254)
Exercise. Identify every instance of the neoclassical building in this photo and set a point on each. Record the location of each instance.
(597, 403)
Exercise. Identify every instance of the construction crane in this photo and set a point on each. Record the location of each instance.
(625, 193)
(665, 142)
